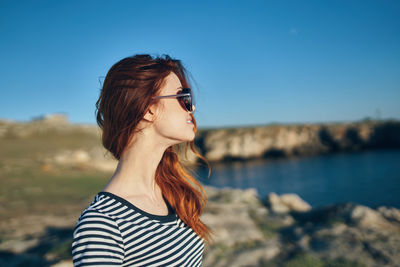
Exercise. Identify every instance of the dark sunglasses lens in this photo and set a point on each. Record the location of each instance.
(186, 101)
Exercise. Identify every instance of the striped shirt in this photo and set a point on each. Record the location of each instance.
(114, 232)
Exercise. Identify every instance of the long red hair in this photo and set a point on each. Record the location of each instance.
(125, 97)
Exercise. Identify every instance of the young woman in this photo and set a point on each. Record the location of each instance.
(148, 214)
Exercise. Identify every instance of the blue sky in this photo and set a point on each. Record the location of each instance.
(254, 62)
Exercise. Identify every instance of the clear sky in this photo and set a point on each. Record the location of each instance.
(254, 62)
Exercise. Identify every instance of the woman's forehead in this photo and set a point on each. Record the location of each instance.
(172, 84)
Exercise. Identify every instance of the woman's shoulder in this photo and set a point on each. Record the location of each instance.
(98, 211)
(96, 220)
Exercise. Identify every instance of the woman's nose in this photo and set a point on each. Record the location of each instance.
(193, 108)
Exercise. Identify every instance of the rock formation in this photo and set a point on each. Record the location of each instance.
(284, 229)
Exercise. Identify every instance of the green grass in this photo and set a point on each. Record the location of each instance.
(27, 187)
(305, 260)
(38, 144)
(30, 190)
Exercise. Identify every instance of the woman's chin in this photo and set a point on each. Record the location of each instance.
(187, 138)
(191, 136)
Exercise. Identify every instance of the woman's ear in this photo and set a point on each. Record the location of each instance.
(149, 116)
(152, 112)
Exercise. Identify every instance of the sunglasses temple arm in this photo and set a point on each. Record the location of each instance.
(168, 96)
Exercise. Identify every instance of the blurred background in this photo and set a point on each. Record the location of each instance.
(294, 100)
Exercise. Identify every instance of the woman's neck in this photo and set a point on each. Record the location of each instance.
(135, 173)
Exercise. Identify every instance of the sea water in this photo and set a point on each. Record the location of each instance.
(370, 178)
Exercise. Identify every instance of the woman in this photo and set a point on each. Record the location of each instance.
(148, 214)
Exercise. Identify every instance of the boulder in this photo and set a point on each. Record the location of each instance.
(286, 203)
(366, 217)
(391, 214)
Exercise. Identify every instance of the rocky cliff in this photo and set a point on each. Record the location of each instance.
(296, 140)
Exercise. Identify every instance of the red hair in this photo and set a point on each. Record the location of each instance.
(124, 99)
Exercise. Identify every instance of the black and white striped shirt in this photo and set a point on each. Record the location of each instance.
(112, 231)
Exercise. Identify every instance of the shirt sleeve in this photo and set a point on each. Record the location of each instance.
(97, 241)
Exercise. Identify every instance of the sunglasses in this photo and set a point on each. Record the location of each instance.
(184, 97)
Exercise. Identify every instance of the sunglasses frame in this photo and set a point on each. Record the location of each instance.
(178, 96)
